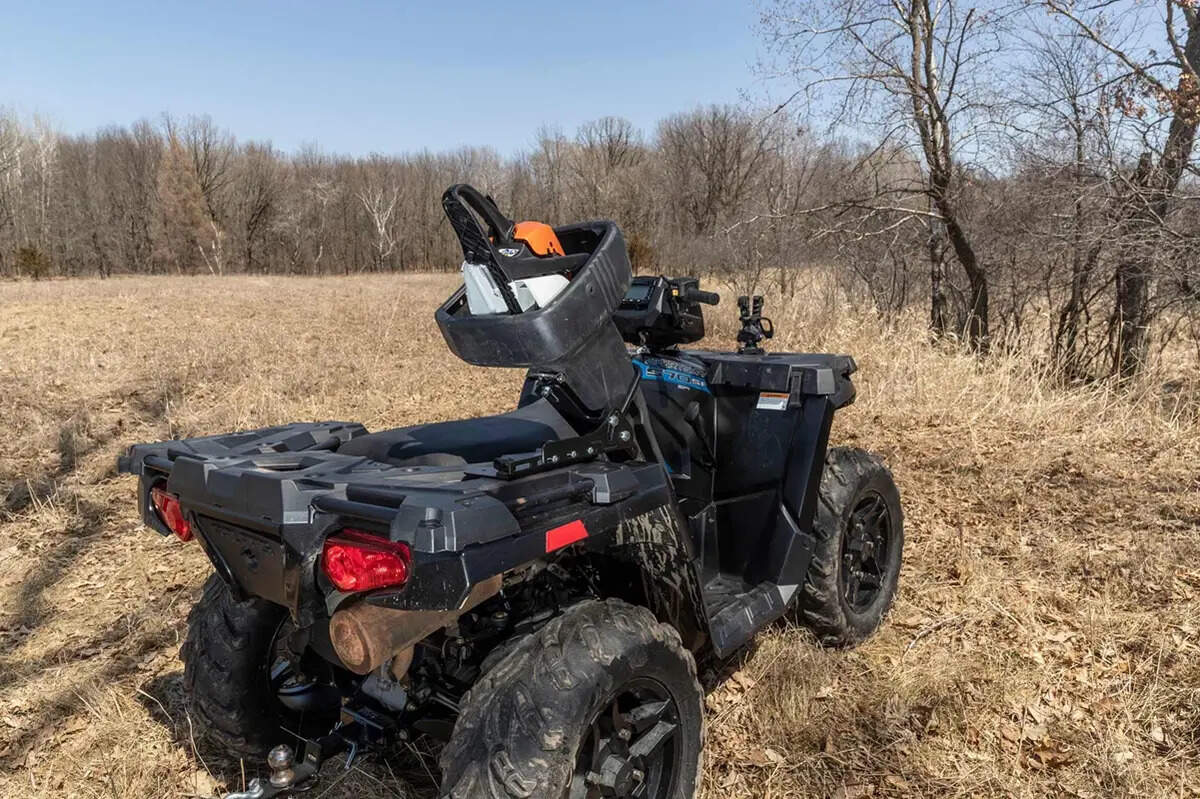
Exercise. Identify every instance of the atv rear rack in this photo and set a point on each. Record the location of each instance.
(262, 503)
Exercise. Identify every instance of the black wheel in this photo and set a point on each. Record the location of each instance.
(245, 691)
(855, 568)
(601, 702)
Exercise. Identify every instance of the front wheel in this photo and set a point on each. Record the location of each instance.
(603, 701)
(855, 568)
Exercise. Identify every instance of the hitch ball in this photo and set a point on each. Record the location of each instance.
(280, 760)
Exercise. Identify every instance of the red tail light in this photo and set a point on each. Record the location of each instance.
(358, 561)
(171, 513)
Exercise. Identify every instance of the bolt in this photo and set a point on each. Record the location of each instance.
(624, 435)
(554, 459)
(637, 775)
(624, 734)
(612, 420)
(591, 450)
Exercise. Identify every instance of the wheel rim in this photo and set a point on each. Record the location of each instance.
(304, 690)
(630, 748)
(865, 550)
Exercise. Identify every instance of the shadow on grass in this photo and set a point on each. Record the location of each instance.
(75, 439)
(53, 707)
(391, 769)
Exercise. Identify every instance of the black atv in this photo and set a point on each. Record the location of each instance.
(534, 588)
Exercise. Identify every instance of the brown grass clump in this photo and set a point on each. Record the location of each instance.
(1044, 642)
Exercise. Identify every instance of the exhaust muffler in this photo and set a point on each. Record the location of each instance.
(366, 636)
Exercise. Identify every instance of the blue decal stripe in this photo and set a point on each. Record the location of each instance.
(672, 376)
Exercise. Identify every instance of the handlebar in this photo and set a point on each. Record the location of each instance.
(706, 297)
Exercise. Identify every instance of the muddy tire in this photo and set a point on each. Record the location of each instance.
(603, 690)
(855, 569)
(227, 662)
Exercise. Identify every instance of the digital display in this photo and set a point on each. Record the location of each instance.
(639, 292)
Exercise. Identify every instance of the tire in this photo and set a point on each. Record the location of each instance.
(530, 727)
(227, 659)
(853, 481)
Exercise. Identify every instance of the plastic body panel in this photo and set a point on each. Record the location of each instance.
(674, 387)
(753, 536)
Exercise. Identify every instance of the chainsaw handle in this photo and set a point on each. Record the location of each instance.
(500, 227)
(479, 245)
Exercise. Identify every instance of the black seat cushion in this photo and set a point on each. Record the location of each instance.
(465, 440)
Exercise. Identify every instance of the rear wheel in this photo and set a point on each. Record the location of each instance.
(855, 569)
(245, 691)
(601, 702)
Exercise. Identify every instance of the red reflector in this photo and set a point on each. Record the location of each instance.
(568, 533)
(358, 561)
(171, 513)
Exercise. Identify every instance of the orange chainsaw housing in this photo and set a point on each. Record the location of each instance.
(539, 237)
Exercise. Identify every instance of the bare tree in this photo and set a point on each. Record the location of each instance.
(184, 233)
(1065, 172)
(549, 164)
(379, 196)
(305, 210)
(916, 71)
(1172, 82)
(10, 143)
(712, 157)
(258, 187)
(605, 149)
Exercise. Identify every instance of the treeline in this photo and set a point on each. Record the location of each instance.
(1008, 167)
(185, 196)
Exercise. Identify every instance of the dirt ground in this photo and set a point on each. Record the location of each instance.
(1044, 642)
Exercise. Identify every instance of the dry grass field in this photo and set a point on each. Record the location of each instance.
(1046, 640)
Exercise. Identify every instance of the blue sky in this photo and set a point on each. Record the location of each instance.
(375, 76)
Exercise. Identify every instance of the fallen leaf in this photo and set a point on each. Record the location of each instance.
(1047, 757)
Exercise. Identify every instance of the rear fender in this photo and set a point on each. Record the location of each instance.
(642, 535)
(655, 544)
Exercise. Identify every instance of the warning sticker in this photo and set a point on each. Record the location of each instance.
(772, 401)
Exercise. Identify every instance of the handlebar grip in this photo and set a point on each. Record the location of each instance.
(706, 297)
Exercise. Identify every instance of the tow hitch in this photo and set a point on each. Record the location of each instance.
(289, 776)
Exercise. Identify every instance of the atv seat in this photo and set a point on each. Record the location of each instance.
(465, 440)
